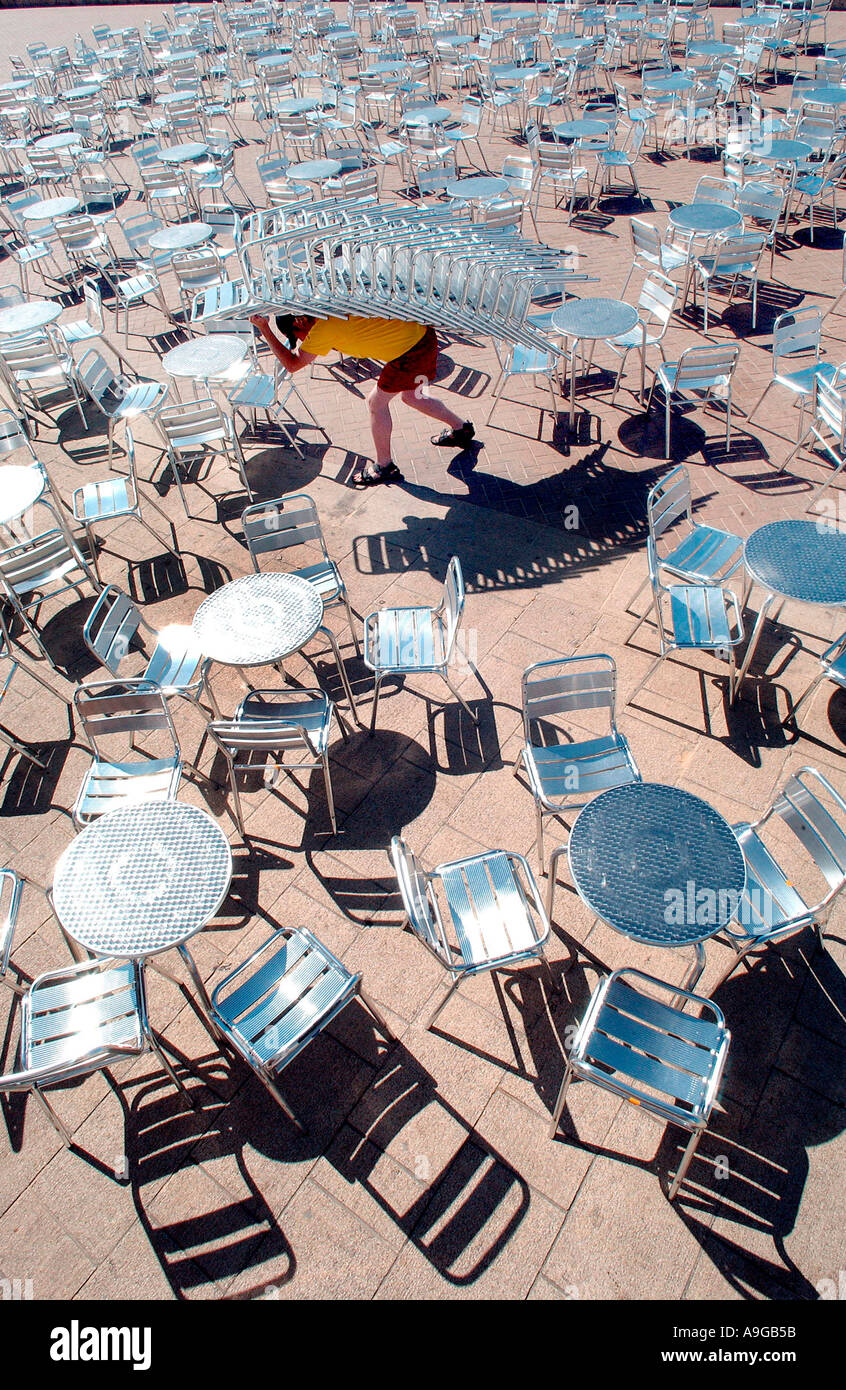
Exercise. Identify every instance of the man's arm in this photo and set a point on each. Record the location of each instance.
(293, 361)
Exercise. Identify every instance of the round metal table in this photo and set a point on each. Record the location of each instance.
(49, 208)
(28, 317)
(313, 170)
(21, 486)
(166, 98)
(800, 560)
(143, 879)
(261, 619)
(183, 154)
(658, 865)
(704, 219)
(296, 106)
(90, 89)
(591, 319)
(67, 140)
(477, 188)
(427, 115)
(379, 69)
(582, 129)
(674, 82)
(710, 48)
(781, 151)
(203, 359)
(757, 21)
(181, 237)
(825, 95)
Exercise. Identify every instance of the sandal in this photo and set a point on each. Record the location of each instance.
(371, 476)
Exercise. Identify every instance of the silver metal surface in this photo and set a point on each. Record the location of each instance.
(25, 318)
(202, 358)
(798, 559)
(142, 879)
(181, 237)
(20, 487)
(594, 317)
(258, 620)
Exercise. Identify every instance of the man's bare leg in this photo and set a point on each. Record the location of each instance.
(430, 405)
(381, 424)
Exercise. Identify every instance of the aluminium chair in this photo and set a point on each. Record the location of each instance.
(175, 665)
(271, 1007)
(655, 306)
(773, 906)
(652, 1053)
(118, 395)
(796, 359)
(41, 567)
(827, 429)
(566, 760)
(84, 1018)
(116, 498)
(112, 718)
(197, 429)
(702, 375)
(832, 667)
(289, 523)
(271, 724)
(494, 905)
(405, 641)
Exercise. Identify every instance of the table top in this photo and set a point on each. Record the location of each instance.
(785, 151)
(710, 48)
(659, 865)
(803, 560)
(17, 84)
(274, 60)
(377, 69)
(594, 317)
(477, 186)
(825, 95)
(49, 208)
(704, 217)
(142, 878)
(89, 89)
(182, 154)
(25, 318)
(65, 141)
(202, 358)
(258, 620)
(573, 41)
(583, 128)
(427, 115)
(296, 106)
(757, 21)
(516, 74)
(674, 82)
(20, 486)
(310, 169)
(166, 98)
(181, 236)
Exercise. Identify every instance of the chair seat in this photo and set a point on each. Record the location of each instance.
(137, 399)
(699, 616)
(488, 910)
(324, 577)
(529, 360)
(562, 771)
(97, 501)
(666, 375)
(136, 286)
(109, 785)
(804, 381)
(403, 639)
(65, 1019)
(770, 899)
(256, 392)
(176, 659)
(275, 1008)
(312, 713)
(635, 338)
(78, 332)
(704, 555)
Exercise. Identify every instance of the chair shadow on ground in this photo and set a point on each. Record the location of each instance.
(228, 1158)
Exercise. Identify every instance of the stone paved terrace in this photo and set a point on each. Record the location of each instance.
(427, 1171)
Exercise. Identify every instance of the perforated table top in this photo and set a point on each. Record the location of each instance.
(258, 620)
(656, 863)
(803, 560)
(142, 879)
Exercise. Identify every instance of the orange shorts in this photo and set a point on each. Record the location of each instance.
(407, 371)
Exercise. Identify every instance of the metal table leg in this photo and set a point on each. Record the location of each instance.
(753, 643)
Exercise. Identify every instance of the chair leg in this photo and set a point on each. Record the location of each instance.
(553, 878)
(760, 402)
(559, 1104)
(53, 1117)
(168, 1066)
(806, 695)
(450, 992)
(350, 621)
(461, 699)
(327, 778)
(692, 1145)
(375, 704)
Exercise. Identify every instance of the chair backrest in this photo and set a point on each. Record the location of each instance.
(13, 436)
(271, 733)
(188, 426)
(35, 354)
(711, 190)
(519, 171)
(113, 624)
(699, 368)
(734, 255)
(135, 707)
(668, 501)
(565, 685)
(761, 203)
(10, 295)
(831, 409)
(657, 299)
(281, 523)
(797, 333)
(816, 813)
(93, 303)
(99, 380)
(645, 237)
(413, 885)
(451, 606)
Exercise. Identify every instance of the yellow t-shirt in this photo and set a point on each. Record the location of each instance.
(379, 339)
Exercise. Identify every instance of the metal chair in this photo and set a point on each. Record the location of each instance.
(175, 666)
(696, 554)
(85, 242)
(565, 767)
(195, 428)
(114, 498)
(195, 271)
(13, 435)
(731, 260)
(38, 365)
(41, 567)
(832, 667)
(404, 641)
(828, 428)
(284, 994)
(276, 722)
(81, 1019)
(493, 902)
(796, 344)
(655, 1055)
(119, 396)
(292, 521)
(124, 712)
(772, 907)
(517, 359)
(11, 894)
(93, 324)
(649, 252)
(655, 305)
(6, 678)
(693, 617)
(132, 289)
(700, 374)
